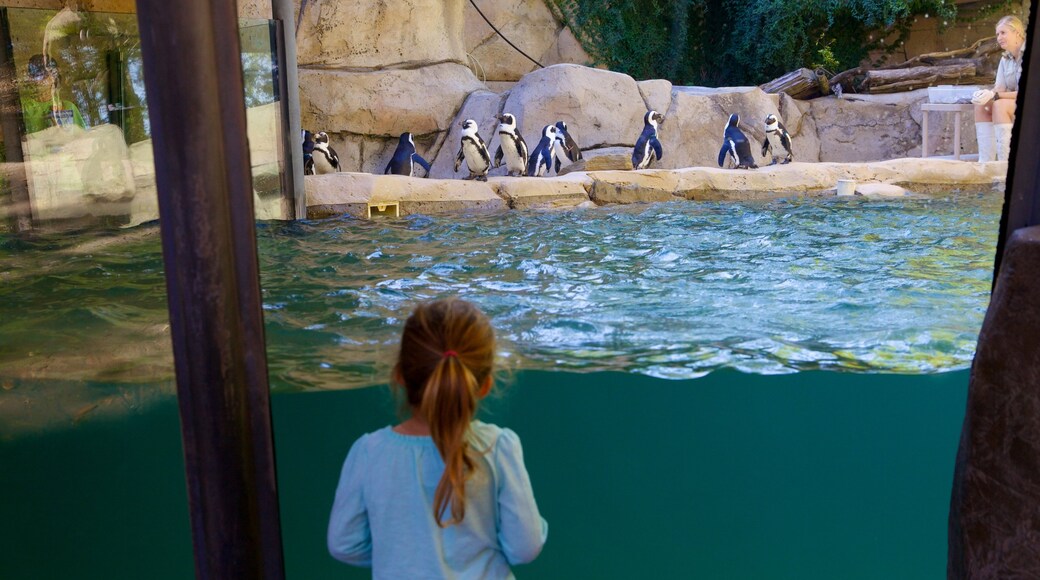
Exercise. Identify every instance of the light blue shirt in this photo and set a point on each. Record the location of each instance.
(383, 513)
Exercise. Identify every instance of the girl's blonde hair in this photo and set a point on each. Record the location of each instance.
(447, 354)
(1014, 23)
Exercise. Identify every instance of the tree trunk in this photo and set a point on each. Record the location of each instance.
(800, 84)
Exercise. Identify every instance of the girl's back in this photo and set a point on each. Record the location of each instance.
(389, 479)
(440, 495)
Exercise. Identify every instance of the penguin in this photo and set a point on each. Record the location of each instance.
(736, 146)
(474, 151)
(565, 146)
(776, 137)
(308, 153)
(542, 156)
(324, 156)
(648, 148)
(511, 146)
(404, 159)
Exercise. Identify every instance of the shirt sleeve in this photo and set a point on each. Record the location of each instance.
(349, 536)
(521, 529)
(1001, 86)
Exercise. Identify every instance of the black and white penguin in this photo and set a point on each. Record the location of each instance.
(308, 153)
(474, 151)
(566, 147)
(776, 137)
(404, 159)
(648, 148)
(323, 155)
(542, 156)
(511, 146)
(736, 146)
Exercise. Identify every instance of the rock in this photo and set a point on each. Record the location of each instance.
(606, 159)
(385, 103)
(540, 193)
(880, 190)
(657, 94)
(868, 127)
(529, 24)
(691, 134)
(376, 34)
(601, 108)
(567, 50)
(634, 186)
(482, 107)
(350, 193)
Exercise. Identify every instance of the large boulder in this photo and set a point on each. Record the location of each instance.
(601, 108)
(375, 34)
(530, 25)
(352, 193)
(482, 107)
(365, 112)
(691, 134)
(868, 127)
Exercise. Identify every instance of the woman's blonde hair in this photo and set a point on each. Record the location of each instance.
(1014, 23)
(447, 354)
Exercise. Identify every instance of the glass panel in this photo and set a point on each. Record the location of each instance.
(88, 417)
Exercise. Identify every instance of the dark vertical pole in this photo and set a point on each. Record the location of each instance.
(11, 124)
(283, 10)
(193, 79)
(1022, 198)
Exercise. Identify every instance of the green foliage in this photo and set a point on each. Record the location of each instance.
(730, 42)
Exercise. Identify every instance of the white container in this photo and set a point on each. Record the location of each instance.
(846, 187)
(951, 94)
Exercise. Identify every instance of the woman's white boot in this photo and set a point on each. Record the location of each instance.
(987, 142)
(1002, 132)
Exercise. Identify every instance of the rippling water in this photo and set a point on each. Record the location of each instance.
(669, 290)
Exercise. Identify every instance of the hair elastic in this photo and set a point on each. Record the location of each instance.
(448, 353)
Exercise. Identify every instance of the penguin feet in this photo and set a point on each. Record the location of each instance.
(787, 160)
(480, 177)
(774, 162)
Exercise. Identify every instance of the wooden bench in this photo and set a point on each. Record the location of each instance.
(957, 110)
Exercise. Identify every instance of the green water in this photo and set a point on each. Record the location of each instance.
(811, 475)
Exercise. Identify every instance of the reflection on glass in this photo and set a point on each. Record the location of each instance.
(84, 128)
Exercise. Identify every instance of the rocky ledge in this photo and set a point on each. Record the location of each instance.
(353, 193)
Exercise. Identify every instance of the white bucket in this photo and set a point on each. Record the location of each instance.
(846, 187)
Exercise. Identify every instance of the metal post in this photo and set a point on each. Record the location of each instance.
(193, 79)
(1022, 196)
(290, 82)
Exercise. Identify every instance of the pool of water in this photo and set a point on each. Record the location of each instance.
(673, 290)
(814, 475)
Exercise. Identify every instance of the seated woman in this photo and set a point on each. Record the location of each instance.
(995, 108)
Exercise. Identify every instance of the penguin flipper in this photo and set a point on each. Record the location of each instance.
(765, 145)
(722, 154)
(458, 160)
(785, 140)
(557, 166)
(422, 163)
(498, 157)
(656, 146)
(387, 170)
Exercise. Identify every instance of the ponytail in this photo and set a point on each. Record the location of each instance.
(447, 353)
(449, 403)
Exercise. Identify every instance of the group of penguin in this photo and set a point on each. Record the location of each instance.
(555, 145)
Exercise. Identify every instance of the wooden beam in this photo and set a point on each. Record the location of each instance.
(193, 78)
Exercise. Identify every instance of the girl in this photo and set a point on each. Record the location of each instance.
(995, 109)
(440, 495)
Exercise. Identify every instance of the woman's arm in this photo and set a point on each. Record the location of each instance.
(521, 528)
(349, 537)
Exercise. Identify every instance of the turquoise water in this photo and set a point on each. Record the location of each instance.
(671, 290)
(815, 475)
(815, 354)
